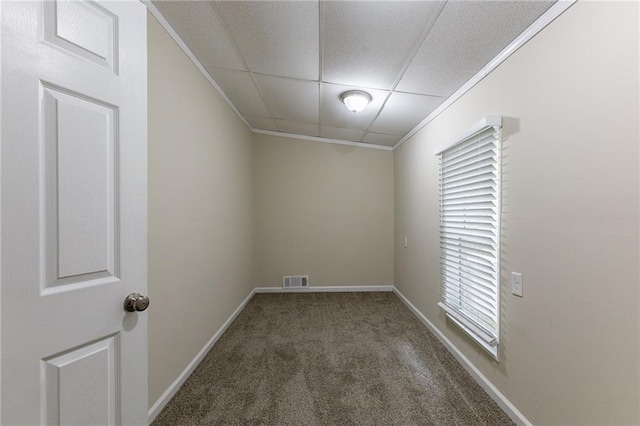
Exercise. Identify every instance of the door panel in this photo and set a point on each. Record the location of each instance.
(84, 28)
(81, 385)
(80, 150)
(73, 213)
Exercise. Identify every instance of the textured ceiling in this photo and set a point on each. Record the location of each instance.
(284, 64)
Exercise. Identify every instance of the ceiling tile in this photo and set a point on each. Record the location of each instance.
(381, 139)
(403, 111)
(289, 99)
(342, 134)
(262, 123)
(200, 27)
(367, 43)
(298, 128)
(240, 89)
(334, 112)
(278, 38)
(466, 36)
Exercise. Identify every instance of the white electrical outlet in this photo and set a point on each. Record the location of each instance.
(406, 242)
(516, 283)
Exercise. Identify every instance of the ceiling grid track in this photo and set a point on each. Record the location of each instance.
(410, 58)
(320, 62)
(538, 25)
(192, 57)
(394, 111)
(244, 62)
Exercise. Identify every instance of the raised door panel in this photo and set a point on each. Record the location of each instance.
(81, 207)
(84, 28)
(80, 385)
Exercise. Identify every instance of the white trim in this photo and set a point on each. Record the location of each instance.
(1, 31)
(157, 407)
(545, 19)
(483, 124)
(480, 378)
(182, 45)
(174, 35)
(325, 140)
(486, 337)
(326, 289)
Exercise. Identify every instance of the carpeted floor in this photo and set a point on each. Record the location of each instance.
(325, 359)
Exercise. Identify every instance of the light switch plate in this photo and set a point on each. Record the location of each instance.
(516, 283)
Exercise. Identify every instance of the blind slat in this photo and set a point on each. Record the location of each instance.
(471, 232)
(451, 282)
(468, 224)
(485, 308)
(456, 242)
(478, 140)
(471, 278)
(476, 201)
(472, 240)
(466, 169)
(467, 209)
(488, 171)
(486, 293)
(465, 162)
(485, 179)
(462, 218)
(466, 191)
(470, 273)
(484, 258)
(473, 155)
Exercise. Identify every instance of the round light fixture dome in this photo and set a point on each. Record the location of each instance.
(355, 100)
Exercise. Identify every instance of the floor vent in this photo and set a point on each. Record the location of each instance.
(295, 281)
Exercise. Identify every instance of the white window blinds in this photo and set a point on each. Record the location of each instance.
(470, 231)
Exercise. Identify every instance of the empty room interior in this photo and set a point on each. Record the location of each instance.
(357, 213)
(231, 211)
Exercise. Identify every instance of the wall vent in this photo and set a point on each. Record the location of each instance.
(295, 281)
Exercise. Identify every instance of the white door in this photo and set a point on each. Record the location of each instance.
(73, 212)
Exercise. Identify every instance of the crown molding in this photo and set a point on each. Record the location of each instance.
(182, 45)
(174, 35)
(545, 19)
(324, 140)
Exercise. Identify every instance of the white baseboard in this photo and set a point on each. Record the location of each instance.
(171, 391)
(326, 289)
(484, 383)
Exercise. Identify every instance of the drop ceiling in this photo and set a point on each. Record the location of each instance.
(285, 64)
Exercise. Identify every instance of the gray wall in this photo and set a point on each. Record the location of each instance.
(322, 210)
(569, 347)
(200, 225)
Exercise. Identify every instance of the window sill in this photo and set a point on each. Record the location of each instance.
(491, 350)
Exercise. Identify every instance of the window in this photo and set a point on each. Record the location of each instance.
(470, 231)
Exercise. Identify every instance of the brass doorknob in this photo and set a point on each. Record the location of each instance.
(136, 302)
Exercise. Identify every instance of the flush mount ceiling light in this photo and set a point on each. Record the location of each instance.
(355, 100)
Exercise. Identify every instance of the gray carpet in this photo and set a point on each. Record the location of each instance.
(329, 358)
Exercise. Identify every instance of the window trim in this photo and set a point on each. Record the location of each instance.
(488, 342)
